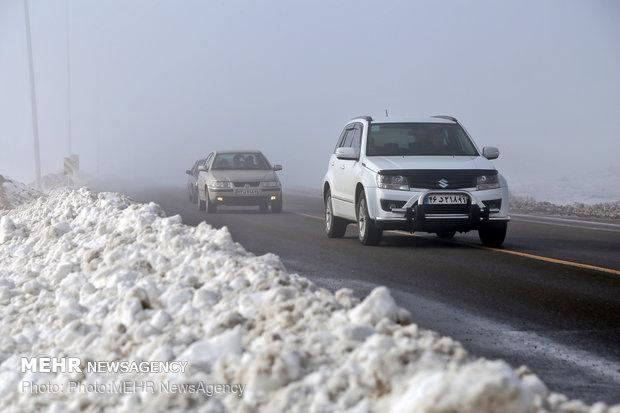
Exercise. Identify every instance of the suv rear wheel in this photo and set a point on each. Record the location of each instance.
(369, 234)
(493, 236)
(335, 227)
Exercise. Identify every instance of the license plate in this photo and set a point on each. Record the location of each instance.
(447, 199)
(246, 192)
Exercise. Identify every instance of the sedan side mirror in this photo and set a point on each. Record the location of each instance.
(490, 152)
(202, 168)
(277, 167)
(347, 153)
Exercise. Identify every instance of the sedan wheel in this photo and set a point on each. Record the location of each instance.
(211, 206)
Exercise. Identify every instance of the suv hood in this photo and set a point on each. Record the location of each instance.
(249, 176)
(382, 163)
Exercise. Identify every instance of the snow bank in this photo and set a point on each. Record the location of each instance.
(528, 205)
(101, 278)
(14, 193)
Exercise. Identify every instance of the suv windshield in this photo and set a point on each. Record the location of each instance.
(245, 161)
(418, 139)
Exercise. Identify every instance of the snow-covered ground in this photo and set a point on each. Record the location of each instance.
(606, 210)
(101, 278)
(586, 187)
(14, 193)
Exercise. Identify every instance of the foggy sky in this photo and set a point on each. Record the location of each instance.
(157, 84)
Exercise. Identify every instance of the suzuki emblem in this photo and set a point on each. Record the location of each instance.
(443, 183)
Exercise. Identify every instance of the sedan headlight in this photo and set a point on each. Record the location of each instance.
(487, 182)
(392, 182)
(271, 184)
(220, 185)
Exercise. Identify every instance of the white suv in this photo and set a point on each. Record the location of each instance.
(415, 175)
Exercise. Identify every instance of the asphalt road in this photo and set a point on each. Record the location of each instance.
(550, 299)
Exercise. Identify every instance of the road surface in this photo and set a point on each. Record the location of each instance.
(550, 299)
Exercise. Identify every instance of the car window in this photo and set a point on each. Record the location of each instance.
(418, 139)
(196, 165)
(240, 161)
(208, 161)
(341, 139)
(348, 138)
(357, 137)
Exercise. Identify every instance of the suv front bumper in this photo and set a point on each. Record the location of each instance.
(415, 215)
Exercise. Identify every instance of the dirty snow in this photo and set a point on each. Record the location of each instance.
(101, 278)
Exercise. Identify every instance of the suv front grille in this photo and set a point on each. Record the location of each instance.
(447, 209)
(441, 178)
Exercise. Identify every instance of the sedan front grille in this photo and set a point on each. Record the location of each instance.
(243, 184)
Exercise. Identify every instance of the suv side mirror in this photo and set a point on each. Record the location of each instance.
(188, 171)
(277, 167)
(347, 153)
(202, 168)
(490, 152)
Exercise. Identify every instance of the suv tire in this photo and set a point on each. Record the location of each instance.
(369, 234)
(493, 236)
(335, 227)
(446, 234)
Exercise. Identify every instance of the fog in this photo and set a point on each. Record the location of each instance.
(144, 88)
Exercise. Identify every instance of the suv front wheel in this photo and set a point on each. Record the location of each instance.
(493, 236)
(369, 234)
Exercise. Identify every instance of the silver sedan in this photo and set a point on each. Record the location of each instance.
(239, 178)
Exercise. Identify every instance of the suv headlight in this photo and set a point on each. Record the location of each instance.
(487, 182)
(392, 182)
(220, 185)
(271, 184)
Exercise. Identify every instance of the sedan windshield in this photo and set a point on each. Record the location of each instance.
(418, 139)
(240, 161)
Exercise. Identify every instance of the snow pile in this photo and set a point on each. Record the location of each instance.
(14, 193)
(527, 205)
(101, 278)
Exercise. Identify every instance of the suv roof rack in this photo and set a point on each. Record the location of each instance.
(365, 117)
(453, 119)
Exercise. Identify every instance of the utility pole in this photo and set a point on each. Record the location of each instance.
(68, 83)
(33, 101)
